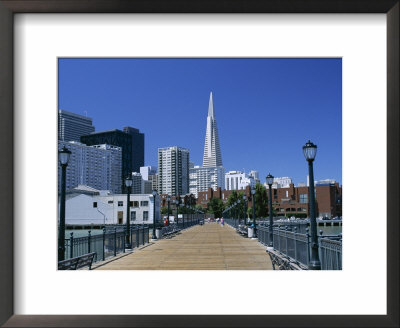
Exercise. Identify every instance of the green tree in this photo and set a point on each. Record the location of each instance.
(164, 210)
(216, 206)
(261, 201)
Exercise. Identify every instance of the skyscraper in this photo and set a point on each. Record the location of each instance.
(97, 166)
(212, 152)
(173, 170)
(137, 147)
(72, 126)
(115, 138)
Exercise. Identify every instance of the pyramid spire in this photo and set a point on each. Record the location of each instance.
(212, 152)
(211, 106)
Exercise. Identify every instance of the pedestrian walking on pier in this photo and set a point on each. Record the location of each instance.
(222, 221)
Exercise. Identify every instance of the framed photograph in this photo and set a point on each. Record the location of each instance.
(41, 44)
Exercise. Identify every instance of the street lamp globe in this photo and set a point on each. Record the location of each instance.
(253, 191)
(310, 151)
(63, 155)
(270, 179)
(168, 198)
(128, 181)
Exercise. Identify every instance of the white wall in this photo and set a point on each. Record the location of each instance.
(79, 210)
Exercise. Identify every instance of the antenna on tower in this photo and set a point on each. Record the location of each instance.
(85, 111)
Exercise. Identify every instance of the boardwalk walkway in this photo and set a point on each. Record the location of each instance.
(206, 247)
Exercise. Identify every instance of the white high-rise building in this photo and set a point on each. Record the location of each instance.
(173, 170)
(202, 178)
(212, 152)
(237, 180)
(96, 166)
(146, 171)
(72, 126)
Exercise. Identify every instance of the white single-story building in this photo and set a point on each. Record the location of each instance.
(84, 207)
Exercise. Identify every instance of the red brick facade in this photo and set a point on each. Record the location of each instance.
(290, 201)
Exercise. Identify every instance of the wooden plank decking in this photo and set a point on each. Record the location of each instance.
(206, 247)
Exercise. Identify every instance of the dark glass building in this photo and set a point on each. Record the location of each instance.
(115, 138)
(137, 148)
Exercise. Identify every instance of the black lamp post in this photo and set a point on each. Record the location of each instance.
(270, 180)
(245, 209)
(63, 157)
(310, 151)
(177, 207)
(168, 200)
(128, 184)
(154, 215)
(253, 193)
(238, 211)
(183, 216)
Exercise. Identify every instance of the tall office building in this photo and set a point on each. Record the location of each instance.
(212, 152)
(173, 170)
(97, 166)
(202, 178)
(137, 147)
(72, 126)
(154, 181)
(115, 138)
(137, 183)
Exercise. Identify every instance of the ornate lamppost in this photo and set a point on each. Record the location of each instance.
(128, 184)
(245, 209)
(63, 157)
(154, 215)
(177, 207)
(310, 151)
(253, 193)
(168, 200)
(183, 216)
(270, 180)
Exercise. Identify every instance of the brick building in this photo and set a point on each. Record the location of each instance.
(290, 201)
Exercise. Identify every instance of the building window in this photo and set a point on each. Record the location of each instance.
(94, 204)
(135, 204)
(144, 203)
(287, 193)
(130, 203)
(145, 215)
(133, 216)
(110, 202)
(120, 203)
(304, 198)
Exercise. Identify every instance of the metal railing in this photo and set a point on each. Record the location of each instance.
(107, 244)
(297, 245)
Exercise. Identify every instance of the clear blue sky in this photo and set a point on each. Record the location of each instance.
(266, 109)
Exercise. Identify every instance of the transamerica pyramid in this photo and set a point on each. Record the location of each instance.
(212, 151)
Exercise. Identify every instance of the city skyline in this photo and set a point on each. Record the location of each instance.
(251, 138)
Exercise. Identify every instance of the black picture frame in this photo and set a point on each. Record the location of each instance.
(7, 10)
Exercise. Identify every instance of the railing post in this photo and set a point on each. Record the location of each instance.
(71, 245)
(320, 251)
(89, 237)
(104, 243)
(123, 239)
(308, 245)
(115, 241)
(279, 237)
(295, 243)
(286, 240)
